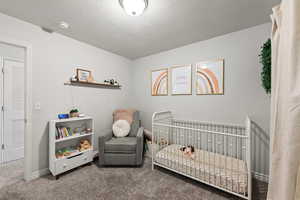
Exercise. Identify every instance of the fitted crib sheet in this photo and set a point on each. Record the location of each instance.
(213, 168)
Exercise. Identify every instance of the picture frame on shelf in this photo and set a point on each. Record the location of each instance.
(84, 75)
(181, 80)
(159, 82)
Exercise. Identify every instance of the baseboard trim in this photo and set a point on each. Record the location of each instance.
(261, 177)
(39, 173)
(42, 172)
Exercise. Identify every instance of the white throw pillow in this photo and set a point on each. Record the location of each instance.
(121, 128)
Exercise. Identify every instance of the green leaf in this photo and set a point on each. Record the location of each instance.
(266, 61)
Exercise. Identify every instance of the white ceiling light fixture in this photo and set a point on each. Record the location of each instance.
(63, 25)
(134, 7)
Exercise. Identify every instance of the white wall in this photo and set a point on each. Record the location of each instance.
(55, 58)
(243, 92)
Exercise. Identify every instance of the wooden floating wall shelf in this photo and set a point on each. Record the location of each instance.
(95, 85)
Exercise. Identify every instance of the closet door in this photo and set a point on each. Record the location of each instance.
(1, 111)
(13, 110)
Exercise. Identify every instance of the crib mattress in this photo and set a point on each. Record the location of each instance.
(213, 168)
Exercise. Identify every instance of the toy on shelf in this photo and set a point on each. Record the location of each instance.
(111, 82)
(63, 116)
(88, 130)
(84, 145)
(73, 78)
(65, 152)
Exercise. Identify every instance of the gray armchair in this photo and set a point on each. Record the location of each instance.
(125, 150)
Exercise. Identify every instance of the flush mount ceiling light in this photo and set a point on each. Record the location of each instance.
(134, 7)
(63, 25)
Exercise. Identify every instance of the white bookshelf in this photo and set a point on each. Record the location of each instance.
(74, 137)
(59, 165)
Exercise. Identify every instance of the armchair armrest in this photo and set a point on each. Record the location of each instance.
(140, 146)
(104, 136)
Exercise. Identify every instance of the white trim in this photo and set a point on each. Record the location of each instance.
(39, 173)
(28, 102)
(261, 177)
(13, 59)
(1, 104)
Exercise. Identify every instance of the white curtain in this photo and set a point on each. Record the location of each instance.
(285, 102)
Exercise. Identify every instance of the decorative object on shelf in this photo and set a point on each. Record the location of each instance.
(159, 82)
(76, 130)
(84, 145)
(210, 77)
(111, 82)
(74, 113)
(88, 130)
(73, 78)
(81, 115)
(266, 60)
(83, 75)
(181, 79)
(63, 116)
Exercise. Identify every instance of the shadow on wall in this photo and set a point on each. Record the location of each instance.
(43, 153)
(260, 151)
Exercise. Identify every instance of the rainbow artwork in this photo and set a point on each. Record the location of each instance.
(159, 84)
(210, 77)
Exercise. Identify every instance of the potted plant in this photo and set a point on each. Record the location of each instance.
(74, 113)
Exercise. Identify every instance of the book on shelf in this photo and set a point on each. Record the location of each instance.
(63, 132)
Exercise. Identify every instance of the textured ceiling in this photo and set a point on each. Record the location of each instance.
(165, 25)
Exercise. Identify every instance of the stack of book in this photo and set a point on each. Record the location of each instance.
(63, 132)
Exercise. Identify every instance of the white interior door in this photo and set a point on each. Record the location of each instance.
(13, 110)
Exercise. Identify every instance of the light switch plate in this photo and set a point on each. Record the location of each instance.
(37, 106)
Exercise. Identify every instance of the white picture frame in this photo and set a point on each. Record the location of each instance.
(209, 77)
(181, 80)
(160, 82)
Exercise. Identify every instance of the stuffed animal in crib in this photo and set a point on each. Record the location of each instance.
(84, 145)
(189, 151)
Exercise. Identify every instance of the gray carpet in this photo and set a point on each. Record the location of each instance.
(11, 172)
(91, 182)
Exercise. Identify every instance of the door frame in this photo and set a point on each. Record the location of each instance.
(28, 103)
